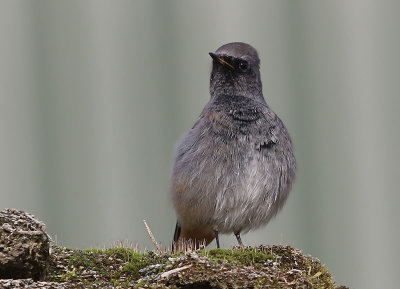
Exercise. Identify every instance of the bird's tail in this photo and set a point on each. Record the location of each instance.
(191, 239)
(177, 233)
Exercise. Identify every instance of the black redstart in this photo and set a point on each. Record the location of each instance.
(234, 169)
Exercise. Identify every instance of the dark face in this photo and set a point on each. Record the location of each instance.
(235, 71)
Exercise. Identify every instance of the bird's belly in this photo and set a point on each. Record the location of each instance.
(245, 201)
(230, 192)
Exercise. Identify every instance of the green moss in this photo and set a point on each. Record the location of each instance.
(133, 262)
(82, 260)
(133, 268)
(92, 250)
(140, 284)
(242, 256)
(319, 274)
(119, 266)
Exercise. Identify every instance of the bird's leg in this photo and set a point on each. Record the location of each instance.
(239, 239)
(216, 238)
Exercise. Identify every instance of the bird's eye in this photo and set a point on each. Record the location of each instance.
(243, 65)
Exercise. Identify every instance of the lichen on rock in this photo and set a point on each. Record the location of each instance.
(24, 246)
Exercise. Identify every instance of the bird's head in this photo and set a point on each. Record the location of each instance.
(236, 71)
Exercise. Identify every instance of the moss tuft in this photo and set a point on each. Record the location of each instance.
(242, 256)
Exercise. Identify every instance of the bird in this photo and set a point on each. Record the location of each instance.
(234, 169)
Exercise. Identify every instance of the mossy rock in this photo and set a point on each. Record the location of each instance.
(248, 267)
(45, 265)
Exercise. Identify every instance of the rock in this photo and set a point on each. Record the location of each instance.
(24, 246)
(30, 283)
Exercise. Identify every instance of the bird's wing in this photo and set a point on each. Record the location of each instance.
(201, 116)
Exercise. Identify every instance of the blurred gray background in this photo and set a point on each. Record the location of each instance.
(95, 95)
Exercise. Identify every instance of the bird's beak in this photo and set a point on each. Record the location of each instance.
(221, 60)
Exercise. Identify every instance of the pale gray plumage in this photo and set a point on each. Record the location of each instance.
(234, 169)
